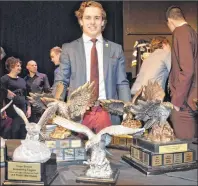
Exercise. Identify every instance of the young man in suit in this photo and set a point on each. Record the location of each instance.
(77, 65)
(183, 75)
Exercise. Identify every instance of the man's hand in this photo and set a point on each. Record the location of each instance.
(29, 112)
(10, 94)
(4, 115)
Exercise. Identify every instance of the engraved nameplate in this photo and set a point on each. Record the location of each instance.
(145, 158)
(24, 171)
(188, 157)
(64, 144)
(157, 160)
(122, 141)
(50, 144)
(116, 140)
(136, 153)
(173, 148)
(177, 158)
(168, 159)
(2, 155)
(80, 154)
(75, 143)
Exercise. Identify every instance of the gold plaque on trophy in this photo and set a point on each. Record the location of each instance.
(188, 157)
(173, 148)
(129, 142)
(24, 171)
(145, 158)
(168, 159)
(116, 140)
(141, 155)
(177, 158)
(136, 153)
(122, 141)
(76, 143)
(2, 155)
(157, 160)
(132, 151)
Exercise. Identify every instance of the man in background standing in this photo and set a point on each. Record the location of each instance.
(183, 75)
(36, 83)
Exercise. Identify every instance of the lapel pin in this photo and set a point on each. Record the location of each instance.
(106, 44)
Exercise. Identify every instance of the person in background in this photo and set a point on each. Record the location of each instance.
(156, 66)
(16, 85)
(5, 121)
(55, 53)
(36, 83)
(183, 75)
(94, 58)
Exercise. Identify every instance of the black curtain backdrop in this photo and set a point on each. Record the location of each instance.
(29, 29)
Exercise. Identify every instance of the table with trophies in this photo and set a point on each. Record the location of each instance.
(52, 153)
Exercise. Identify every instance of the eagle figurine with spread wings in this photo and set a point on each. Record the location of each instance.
(99, 166)
(78, 102)
(31, 149)
(148, 107)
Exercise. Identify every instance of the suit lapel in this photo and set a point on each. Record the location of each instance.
(82, 61)
(106, 54)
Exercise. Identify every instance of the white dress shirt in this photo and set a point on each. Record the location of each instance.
(99, 46)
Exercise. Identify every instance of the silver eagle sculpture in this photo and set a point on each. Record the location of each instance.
(99, 165)
(148, 107)
(31, 149)
(77, 103)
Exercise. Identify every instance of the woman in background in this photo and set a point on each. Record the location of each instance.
(156, 66)
(17, 85)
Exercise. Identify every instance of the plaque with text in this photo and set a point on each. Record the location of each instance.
(136, 153)
(161, 148)
(177, 158)
(2, 154)
(75, 143)
(157, 160)
(173, 148)
(50, 144)
(24, 171)
(69, 154)
(80, 154)
(116, 140)
(145, 158)
(122, 141)
(188, 157)
(64, 144)
(168, 159)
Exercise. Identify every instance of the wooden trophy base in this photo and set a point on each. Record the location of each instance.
(30, 173)
(112, 180)
(151, 170)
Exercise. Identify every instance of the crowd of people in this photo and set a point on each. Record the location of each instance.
(94, 58)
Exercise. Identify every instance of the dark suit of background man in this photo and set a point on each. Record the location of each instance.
(183, 75)
(36, 83)
(76, 64)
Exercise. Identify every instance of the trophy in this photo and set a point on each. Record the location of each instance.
(157, 151)
(98, 168)
(32, 162)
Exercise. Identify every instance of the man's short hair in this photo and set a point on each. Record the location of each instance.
(79, 13)
(56, 50)
(175, 13)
